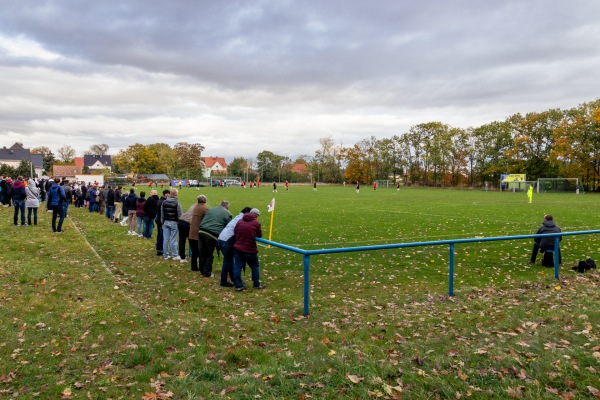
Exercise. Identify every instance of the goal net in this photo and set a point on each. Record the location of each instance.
(520, 186)
(384, 184)
(550, 185)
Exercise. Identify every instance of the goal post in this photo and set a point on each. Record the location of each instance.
(560, 185)
(383, 183)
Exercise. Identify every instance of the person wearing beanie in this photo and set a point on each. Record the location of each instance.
(226, 241)
(245, 251)
(194, 230)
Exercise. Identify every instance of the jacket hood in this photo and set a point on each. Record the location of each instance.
(249, 217)
(549, 224)
(18, 184)
(31, 183)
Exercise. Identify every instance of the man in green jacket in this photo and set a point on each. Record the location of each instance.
(212, 224)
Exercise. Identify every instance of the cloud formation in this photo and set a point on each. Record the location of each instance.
(244, 76)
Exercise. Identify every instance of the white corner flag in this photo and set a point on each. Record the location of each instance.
(271, 209)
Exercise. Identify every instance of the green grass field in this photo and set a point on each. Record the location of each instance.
(93, 313)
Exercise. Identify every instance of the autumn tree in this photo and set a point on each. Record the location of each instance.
(47, 157)
(97, 150)
(358, 166)
(167, 158)
(137, 159)
(189, 160)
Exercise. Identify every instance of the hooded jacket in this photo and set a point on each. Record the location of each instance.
(32, 192)
(18, 190)
(139, 207)
(151, 206)
(547, 227)
(246, 231)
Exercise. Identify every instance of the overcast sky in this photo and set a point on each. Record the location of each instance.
(243, 76)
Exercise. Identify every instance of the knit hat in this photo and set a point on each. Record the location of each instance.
(255, 211)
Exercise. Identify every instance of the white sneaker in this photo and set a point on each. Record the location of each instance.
(176, 258)
(183, 260)
(139, 235)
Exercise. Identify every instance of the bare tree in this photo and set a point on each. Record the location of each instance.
(66, 153)
(97, 150)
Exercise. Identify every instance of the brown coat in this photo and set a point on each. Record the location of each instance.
(197, 216)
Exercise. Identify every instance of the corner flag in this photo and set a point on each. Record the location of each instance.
(271, 209)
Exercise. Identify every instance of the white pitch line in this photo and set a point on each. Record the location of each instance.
(107, 268)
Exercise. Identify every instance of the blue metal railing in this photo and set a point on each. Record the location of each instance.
(451, 242)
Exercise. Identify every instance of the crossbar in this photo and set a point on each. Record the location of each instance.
(450, 242)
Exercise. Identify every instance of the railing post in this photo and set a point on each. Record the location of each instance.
(306, 283)
(556, 255)
(451, 271)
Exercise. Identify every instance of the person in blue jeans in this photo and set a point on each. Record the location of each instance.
(56, 198)
(170, 211)
(226, 241)
(18, 198)
(245, 251)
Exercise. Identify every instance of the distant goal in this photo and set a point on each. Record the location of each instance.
(383, 183)
(559, 185)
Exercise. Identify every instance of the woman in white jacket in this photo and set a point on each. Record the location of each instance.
(32, 201)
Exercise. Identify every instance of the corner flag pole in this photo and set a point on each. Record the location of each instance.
(271, 209)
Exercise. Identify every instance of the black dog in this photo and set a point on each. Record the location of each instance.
(585, 266)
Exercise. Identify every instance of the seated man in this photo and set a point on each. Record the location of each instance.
(548, 226)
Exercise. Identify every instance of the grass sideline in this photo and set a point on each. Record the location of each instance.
(93, 313)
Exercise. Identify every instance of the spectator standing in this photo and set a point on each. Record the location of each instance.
(170, 212)
(56, 198)
(158, 220)
(68, 196)
(139, 213)
(32, 202)
(101, 193)
(130, 203)
(183, 229)
(150, 212)
(118, 204)
(197, 216)
(245, 251)
(92, 195)
(110, 203)
(18, 195)
(226, 241)
(215, 220)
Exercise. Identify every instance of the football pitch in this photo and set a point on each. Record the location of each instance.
(337, 217)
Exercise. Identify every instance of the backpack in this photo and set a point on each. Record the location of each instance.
(586, 265)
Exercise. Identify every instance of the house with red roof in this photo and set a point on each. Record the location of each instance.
(214, 166)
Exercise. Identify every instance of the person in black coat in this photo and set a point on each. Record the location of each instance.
(150, 212)
(159, 231)
(110, 203)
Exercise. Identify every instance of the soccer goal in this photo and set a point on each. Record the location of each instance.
(568, 185)
(384, 184)
(521, 186)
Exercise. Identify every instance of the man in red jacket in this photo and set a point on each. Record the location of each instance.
(245, 251)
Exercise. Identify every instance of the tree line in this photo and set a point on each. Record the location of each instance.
(549, 144)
